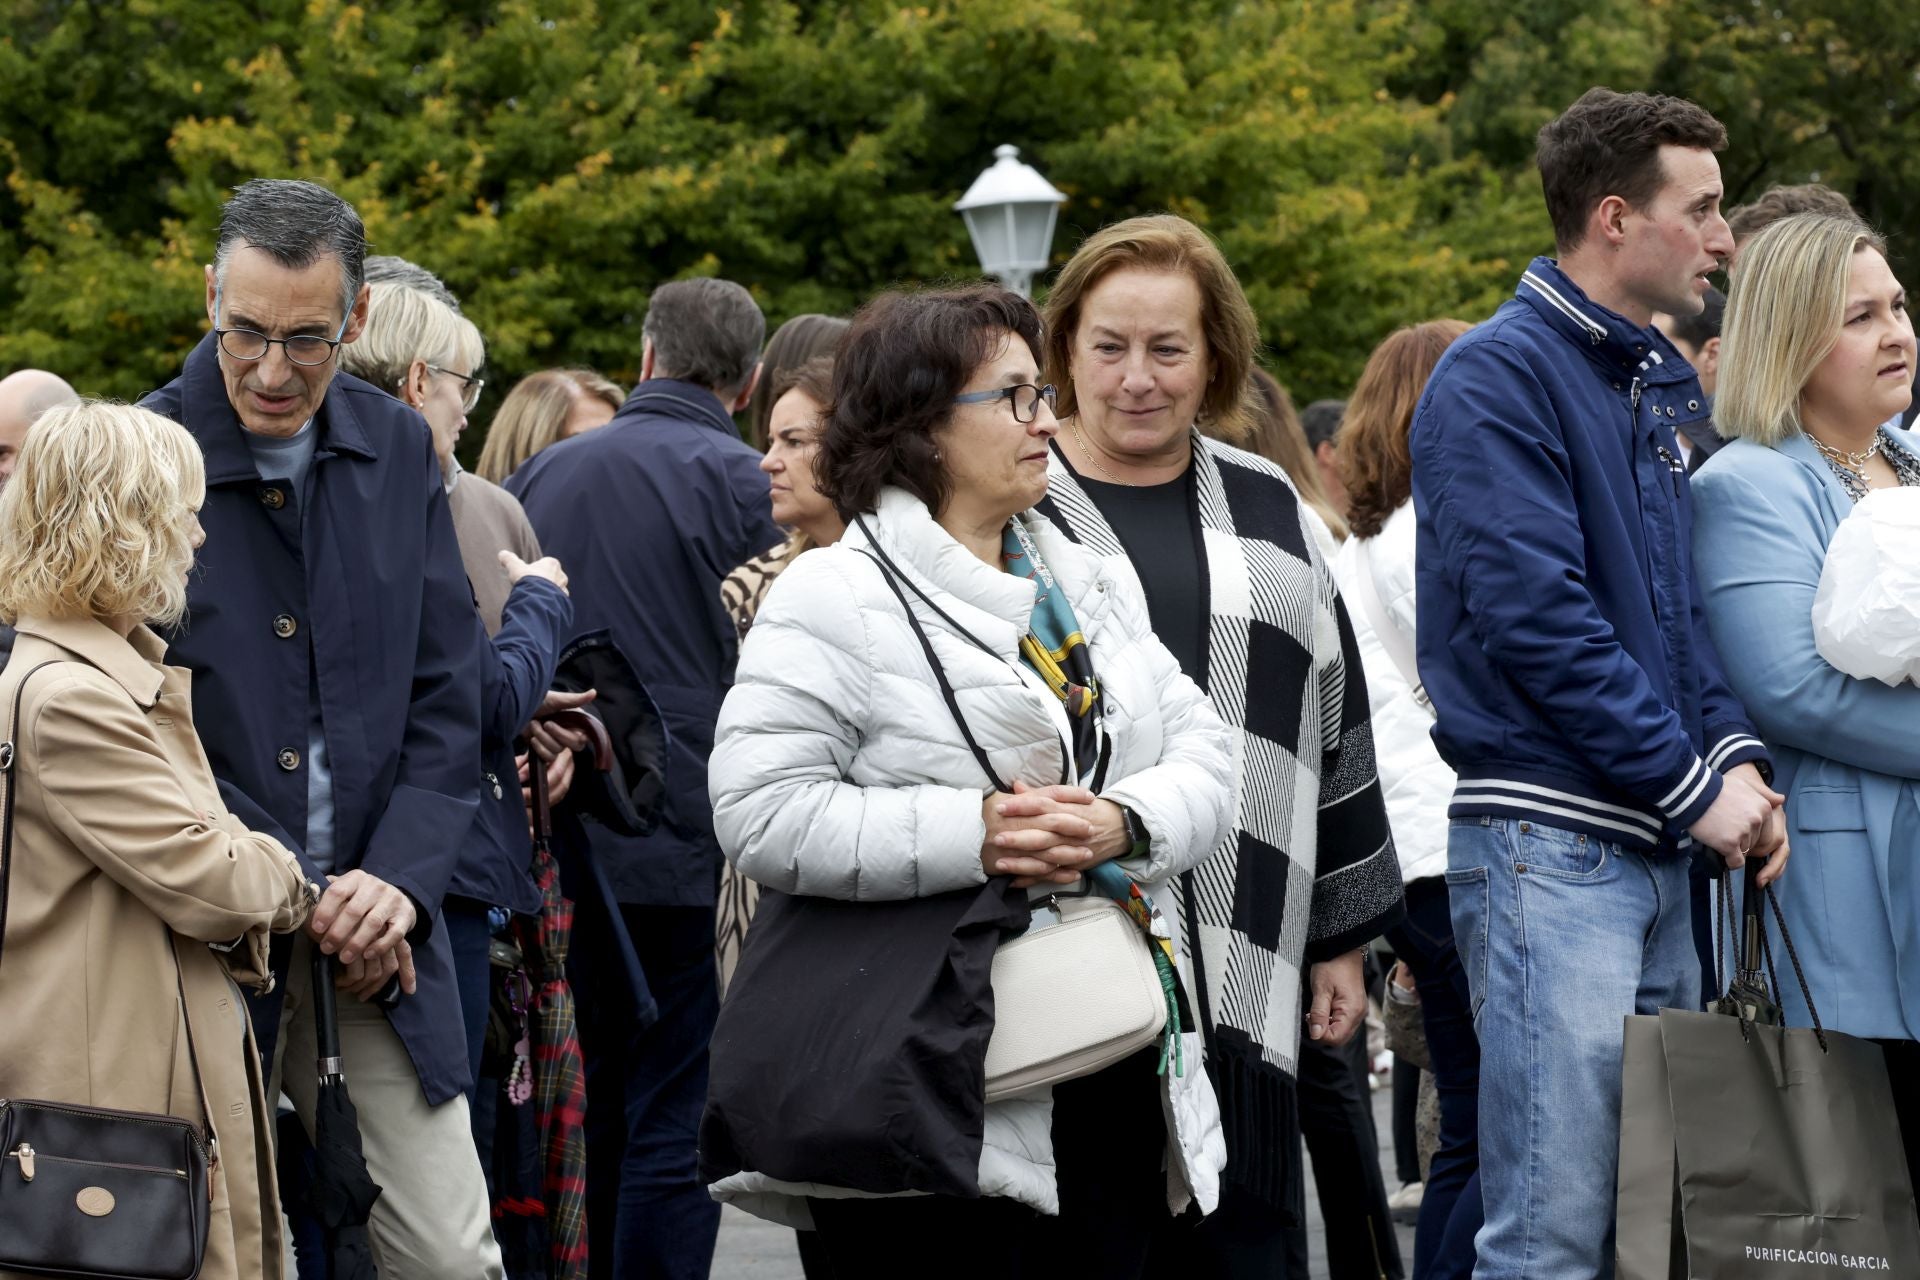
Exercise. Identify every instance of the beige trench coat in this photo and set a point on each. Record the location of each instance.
(123, 857)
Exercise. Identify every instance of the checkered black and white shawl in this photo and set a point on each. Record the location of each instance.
(1308, 870)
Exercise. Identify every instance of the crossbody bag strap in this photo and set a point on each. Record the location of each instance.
(9, 757)
(1395, 642)
(940, 673)
(8, 753)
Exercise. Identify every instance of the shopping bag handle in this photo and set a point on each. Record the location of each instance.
(1750, 997)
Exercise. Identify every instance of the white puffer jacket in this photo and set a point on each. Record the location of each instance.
(838, 771)
(1417, 784)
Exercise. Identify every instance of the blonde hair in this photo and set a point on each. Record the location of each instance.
(98, 519)
(405, 324)
(1784, 312)
(1162, 242)
(534, 415)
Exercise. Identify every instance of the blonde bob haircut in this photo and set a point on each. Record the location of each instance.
(534, 415)
(1784, 311)
(405, 324)
(98, 519)
(1162, 242)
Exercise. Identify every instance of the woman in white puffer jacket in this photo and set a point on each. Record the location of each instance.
(1375, 572)
(839, 771)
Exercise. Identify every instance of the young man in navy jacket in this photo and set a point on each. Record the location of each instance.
(1577, 693)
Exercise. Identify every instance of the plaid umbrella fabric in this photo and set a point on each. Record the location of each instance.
(559, 1070)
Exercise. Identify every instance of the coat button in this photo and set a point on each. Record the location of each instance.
(289, 759)
(284, 626)
(272, 499)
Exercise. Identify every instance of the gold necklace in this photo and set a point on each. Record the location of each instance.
(1099, 466)
(1853, 460)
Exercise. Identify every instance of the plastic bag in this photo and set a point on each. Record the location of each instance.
(1866, 614)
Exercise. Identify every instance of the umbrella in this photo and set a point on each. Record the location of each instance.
(342, 1192)
(559, 1069)
(1750, 996)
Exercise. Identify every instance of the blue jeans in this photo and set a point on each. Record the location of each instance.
(1563, 936)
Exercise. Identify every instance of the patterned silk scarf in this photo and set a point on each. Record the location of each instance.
(1057, 651)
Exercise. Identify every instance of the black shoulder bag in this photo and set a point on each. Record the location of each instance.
(90, 1192)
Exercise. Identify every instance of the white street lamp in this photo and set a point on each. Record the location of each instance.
(1009, 211)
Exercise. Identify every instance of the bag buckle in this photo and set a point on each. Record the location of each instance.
(6, 756)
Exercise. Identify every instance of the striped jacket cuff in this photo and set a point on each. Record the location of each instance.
(1736, 748)
(1698, 788)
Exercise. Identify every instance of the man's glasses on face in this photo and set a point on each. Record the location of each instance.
(249, 344)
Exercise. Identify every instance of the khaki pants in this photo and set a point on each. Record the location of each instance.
(432, 1219)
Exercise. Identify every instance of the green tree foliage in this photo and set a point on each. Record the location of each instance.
(1365, 163)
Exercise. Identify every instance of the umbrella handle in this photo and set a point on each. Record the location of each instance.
(326, 1016)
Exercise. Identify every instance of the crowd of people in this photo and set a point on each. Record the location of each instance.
(666, 802)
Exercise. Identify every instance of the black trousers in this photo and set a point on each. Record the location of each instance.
(1903, 1068)
(1336, 1115)
(1109, 1137)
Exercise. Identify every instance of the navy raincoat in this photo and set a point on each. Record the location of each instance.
(369, 587)
(648, 514)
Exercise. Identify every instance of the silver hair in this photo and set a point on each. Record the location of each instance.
(296, 224)
(385, 268)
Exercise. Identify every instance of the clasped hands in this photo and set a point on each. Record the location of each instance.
(365, 921)
(1048, 835)
(1748, 819)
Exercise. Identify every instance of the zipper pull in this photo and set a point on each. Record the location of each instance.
(1633, 395)
(1674, 467)
(24, 1153)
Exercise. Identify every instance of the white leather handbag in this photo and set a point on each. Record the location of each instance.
(1071, 998)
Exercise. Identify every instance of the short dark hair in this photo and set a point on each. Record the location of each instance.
(1608, 144)
(814, 380)
(1321, 419)
(296, 224)
(704, 331)
(906, 357)
(1776, 203)
(1698, 330)
(385, 268)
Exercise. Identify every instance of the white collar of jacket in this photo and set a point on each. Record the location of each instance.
(133, 662)
(1606, 336)
(997, 605)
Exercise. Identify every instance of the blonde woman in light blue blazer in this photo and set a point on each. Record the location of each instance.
(1818, 358)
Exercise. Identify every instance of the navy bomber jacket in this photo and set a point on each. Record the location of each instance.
(1561, 634)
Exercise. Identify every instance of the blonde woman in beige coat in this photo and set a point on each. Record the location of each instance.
(123, 857)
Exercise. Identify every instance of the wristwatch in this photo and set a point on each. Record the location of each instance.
(1137, 836)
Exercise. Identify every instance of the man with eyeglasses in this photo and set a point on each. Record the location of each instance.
(336, 663)
(649, 513)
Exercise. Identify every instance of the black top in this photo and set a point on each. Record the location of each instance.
(1155, 524)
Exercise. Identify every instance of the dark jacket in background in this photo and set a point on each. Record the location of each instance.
(648, 514)
(370, 587)
(6, 643)
(1702, 438)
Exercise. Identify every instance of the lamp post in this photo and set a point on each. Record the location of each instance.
(1009, 211)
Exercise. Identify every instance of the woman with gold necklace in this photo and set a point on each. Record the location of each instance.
(1818, 355)
(1148, 335)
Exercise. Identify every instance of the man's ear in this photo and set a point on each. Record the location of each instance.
(1709, 359)
(1610, 220)
(746, 392)
(357, 315)
(646, 359)
(213, 321)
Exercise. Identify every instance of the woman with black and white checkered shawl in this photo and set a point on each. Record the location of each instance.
(1149, 333)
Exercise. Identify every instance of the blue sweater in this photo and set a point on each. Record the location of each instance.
(1561, 634)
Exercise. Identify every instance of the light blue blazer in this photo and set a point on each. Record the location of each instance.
(1846, 751)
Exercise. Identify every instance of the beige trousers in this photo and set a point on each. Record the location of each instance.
(432, 1220)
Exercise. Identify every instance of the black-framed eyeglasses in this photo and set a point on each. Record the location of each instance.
(249, 344)
(303, 348)
(1024, 397)
(470, 386)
